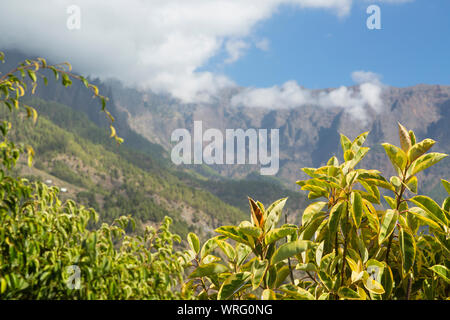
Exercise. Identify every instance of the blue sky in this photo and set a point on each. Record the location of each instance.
(318, 49)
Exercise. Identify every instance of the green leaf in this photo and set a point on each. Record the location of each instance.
(312, 226)
(405, 140)
(32, 75)
(396, 182)
(412, 184)
(442, 271)
(446, 207)
(227, 249)
(391, 202)
(351, 177)
(335, 214)
(373, 286)
(349, 155)
(233, 284)
(289, 249)
(326, 280)
(357, 208)
(208, 247)
(2, 285)
(359, 141)
(446, 185)
(431, 207)
(233, 232)
(408, 249)
(251, 231)
(426, 161)
(208, 270)
(419, 149)
(387, 225)
(315, 189)
(296, 293)
(358, 156)
(412, 137)
(333, 162)
(311, 210)
(274, 213)
(347, 293)
(281, 275)
(258, 271)
(376, 179)
(66, 80)
(193, 241)
(345, 143)
(279, 233)
(424, 218)
(396, 155)
(242, 252)
(319, 252)
(268, 294)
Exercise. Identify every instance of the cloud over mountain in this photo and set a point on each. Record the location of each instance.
(158, 44)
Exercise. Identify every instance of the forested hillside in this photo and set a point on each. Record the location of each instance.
(75, 154)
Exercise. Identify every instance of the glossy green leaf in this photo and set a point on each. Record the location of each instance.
(268, 294)
(193, 241)
(233, 284)
(258, 271)
(405, 140)
(312, 210)
(227, 249)
(426, 161)
(446, 185)
(274, 213)
(290, 249)
(442, 271)
(412, 184)
(347, 293)
(345, 143)
(408, 249)
(419, 149)
(232, 232)
(357, 208)
(208, 270)
(208, 247)
(396, 155)
(431, 207)
(279, 233)
(335, 215)
(387, 225)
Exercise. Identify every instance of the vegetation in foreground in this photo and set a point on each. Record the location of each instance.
(346, 246)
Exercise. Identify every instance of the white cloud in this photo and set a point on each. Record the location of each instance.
(290, 95)
(365, 76)
(390, 1)
(157, 44)
(235, 49)
(263, 44)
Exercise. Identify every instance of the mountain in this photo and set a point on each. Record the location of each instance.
(309, 135)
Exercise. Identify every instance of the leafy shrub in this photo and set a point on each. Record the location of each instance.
(347, 246)
(44, 243)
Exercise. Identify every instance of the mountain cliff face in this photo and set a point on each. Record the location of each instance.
(309, 135)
